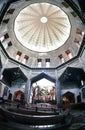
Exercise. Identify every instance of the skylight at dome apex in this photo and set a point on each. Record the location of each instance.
(42, 27)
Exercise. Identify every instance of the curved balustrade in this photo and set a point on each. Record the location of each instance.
(25, 116)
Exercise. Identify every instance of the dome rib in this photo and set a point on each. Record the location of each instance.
(42, 27)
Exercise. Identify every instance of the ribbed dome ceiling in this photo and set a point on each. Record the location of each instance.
(42, 27)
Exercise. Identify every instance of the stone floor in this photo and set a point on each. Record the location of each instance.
(78, 122)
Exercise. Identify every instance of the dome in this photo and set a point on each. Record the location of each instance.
(42, 27)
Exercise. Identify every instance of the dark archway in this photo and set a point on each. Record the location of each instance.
(18, 96)
(68, 97)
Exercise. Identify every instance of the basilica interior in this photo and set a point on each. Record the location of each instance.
(42, 59)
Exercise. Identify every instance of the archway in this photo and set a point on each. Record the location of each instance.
(19, 96)
(68, 97)
(43, 89)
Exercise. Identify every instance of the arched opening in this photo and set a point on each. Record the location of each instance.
(68, 97)
(18, 96)
(43, 89)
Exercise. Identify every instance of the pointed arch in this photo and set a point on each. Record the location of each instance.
(42, 75)
(44, 91)
(68, 97)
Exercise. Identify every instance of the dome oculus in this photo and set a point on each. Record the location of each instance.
(43, 19)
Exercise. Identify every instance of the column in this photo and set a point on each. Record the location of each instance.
(58, 92)
(27, 91)
(58, 89)
(75, 98)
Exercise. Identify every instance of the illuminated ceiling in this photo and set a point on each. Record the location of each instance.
(42, 27)
(41, 30)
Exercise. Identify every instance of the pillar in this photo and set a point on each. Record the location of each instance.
(58, 89)
(27, 91)
(75, 98)
(58, 92)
